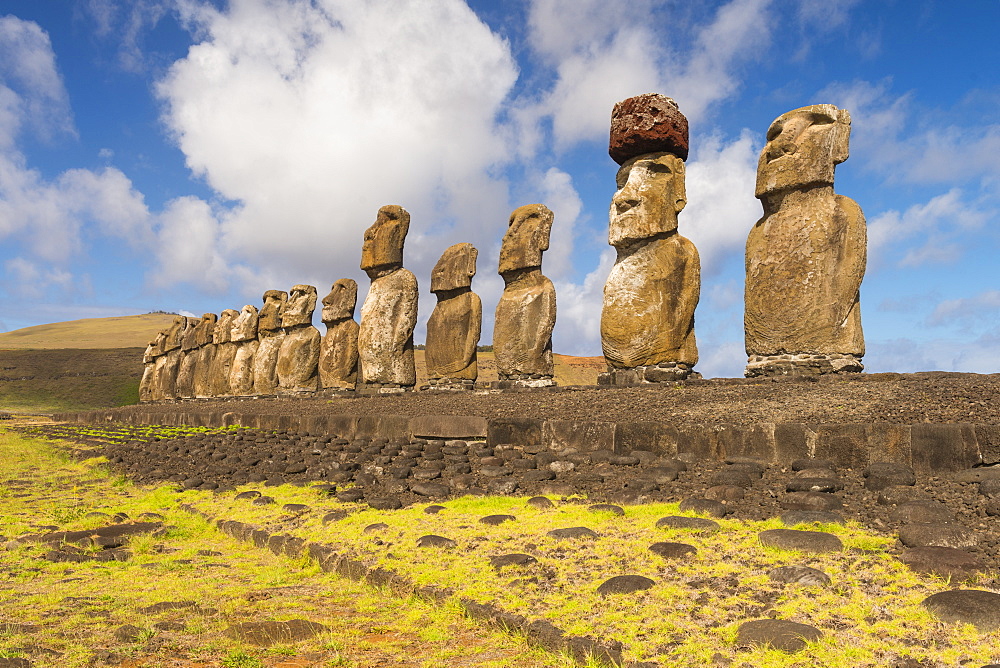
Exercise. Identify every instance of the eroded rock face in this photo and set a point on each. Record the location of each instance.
(245, 337)
(184, 386)
(298, 356)
(338, 353)
(526, 312)
(148, 390)
(455, 325)
(225, 352)
(389, 314)
(203, 333)
(806, 256)
(647, 322)
(269, 336)
(169, 364)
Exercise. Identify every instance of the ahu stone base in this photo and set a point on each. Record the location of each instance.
(666, 372)
(802, 364)
(525, 380)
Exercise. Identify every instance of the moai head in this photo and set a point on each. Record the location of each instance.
(224, 326)
(205, 329)
(270, 314)
(189, 337)
(383, 246)
(526, 239)
(340, 303)
(651, 192)
(455, 269)
(300, 306)
(173, 339)
(245, 324)
(155, 348)
(802, 149)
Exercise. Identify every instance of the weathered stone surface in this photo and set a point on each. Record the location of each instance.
(804, 541)
(270, 335)
(806, 256)
(455, 324)
(389, 314)
(168, 364)
(624, 584)
(148, 385)
(298, 356)
(803, 575)
(938, 535)
(966, 606)
(647, 123)
(204, 332)
(265, 634)
(184, 386)
(947, 562)
(526, 313)
(245, 337)
(653, 289)
(777, 634)
(338, 353)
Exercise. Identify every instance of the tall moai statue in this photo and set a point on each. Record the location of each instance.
(526, 312)
(647, 323)
(269, 337)
(338, 352)
(298, 357)
(806, 256)
(244, 335)
(389, 314)
(167, 371)
(204, 332)
(147, 386)
(184, 387)
(225, 351)
(455, 324)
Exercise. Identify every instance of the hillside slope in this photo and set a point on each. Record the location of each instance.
(131, 331)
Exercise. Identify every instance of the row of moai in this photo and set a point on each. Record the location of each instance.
(805, 259)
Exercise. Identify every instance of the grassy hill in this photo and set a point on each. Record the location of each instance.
(131, 331)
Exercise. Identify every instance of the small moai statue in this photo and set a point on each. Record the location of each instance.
(184, 387)
(147, 386)
(455, 324)
(204, 333)
(244, 335)
(647, 322)
(389, 314)
(526, 312)
(338, 353)
(298, 357)
(269, 336)
(167, 373)
(225, 351)
(806, 256)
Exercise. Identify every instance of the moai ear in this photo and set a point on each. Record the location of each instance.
(842, 137)
(472, 255)
(680, 189)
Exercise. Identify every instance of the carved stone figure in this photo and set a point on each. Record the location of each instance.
(166, 372)
(526, 312)
(389, 314)
(269, 337)
(455, 324)
(225, 351)
(298, 356)
(806, 256)
(647, 323)
(184, 387)
(204, 332)
(148, 390)
(338, 353)
(244, 335)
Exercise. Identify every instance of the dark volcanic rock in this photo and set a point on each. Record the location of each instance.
(793, 517)
(265, 634)
(804, 541)
(493, 520)
(699, 524)
(571, 532)
(947, 562)
(673, 550)
(776, 633)
(937, 535)
(704, 507)
(625, 584)
(968, 606)
(516, 559)
(803, 575)
(431, 540)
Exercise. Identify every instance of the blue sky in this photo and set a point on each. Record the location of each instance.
(187, 155)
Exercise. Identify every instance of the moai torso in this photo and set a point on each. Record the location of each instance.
(455, 325)
(338, 354)
(204, 332)
(298, 356)
(389, 314)
(189, 360)
(167, 371)
(647, 321)
(148, 390)
(805, 258)
(244, 335)
(269, 337)
(225, 351)
(526, 312)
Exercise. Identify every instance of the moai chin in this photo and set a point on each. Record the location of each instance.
(184, 387)
(225, 352)
(269, 337)
(805, 257)
(203, 332)
(647, 322)
(455, 324)
(244, 335)
(389, 314)
(526, 312)
(338, 353)
(298, 356)
(166, 374)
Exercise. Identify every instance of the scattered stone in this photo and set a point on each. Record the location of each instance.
(699, 524)
(897, 494)
(803, 575)
(978, 474)
(725, 493)
(165, 606)
(946, 562)
(804, 464)
(540, 503)
(607, 508)
(922, 512)
(249, 494)
(811, 501)
(937, 535)
(793, 517)
(572, 532)
(433, 509)
(295, 508)
(704, 507)
(625, 584)
(813, 485)
(776, 633)
(431, 540)
(430, 489)
(966, 606)
(880, 475)
(804, 541)
(494, 520)
(385, 503)
(732, 476)
(265, 634)
(661, 475)
(349, 495)
(516, 559)
(128, 633)
(673, 550)
(377, 526)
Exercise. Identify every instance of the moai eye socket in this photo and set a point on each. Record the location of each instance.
(775, 130)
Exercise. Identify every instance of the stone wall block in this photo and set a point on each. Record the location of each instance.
(790, 442)
(889, 443)
(658, 437)
(988, 438)
(449, 426)
(519, 431)
(582, 435)
(943, 447)
(844, 444)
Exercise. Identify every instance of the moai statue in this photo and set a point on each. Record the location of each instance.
(298, 357)
(338, 353)
(526, 312)
(389, 314)
(167, 372)
(244, 335)
(455, 325)
(147, 386)
(225, 351)
(806, 256)
(184, 387)
(647, 323)
(204, 332)
(269, 336)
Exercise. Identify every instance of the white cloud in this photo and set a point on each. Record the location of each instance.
(188, 247)
(559, 195)
(905, 355)
(30, 281)
(578, 323)
(967, 311)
